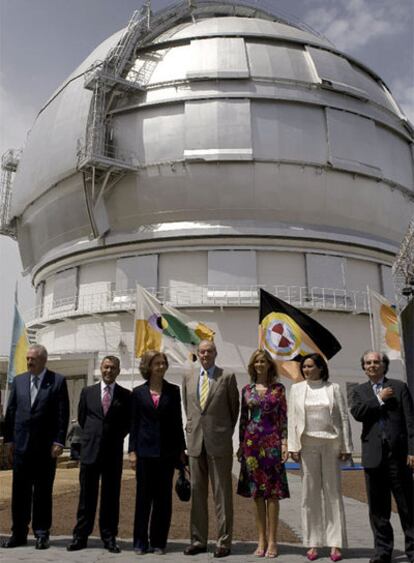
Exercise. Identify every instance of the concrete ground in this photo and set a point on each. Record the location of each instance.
(359, 538)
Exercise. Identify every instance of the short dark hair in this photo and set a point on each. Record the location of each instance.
(114, 359)
(272, 374)
(146, 361)
(384, 359)
(319, 361)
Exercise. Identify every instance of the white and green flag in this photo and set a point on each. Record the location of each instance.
(163, 328)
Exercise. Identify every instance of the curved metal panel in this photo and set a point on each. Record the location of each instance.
(286, 62)
(289, 132)
(248, 27)
(153, 134)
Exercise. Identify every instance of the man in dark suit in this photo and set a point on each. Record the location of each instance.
(104, 416)
(35, 431)
(211, 403)
(385, 408)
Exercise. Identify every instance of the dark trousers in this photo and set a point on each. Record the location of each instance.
(33, 477)
(153, 505)
(392, 476)
(109, 471)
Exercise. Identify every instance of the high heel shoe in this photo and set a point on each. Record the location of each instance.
(336, 555)
(312, 554)
(260, 552)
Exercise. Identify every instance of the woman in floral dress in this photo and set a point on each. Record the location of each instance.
(263, 448)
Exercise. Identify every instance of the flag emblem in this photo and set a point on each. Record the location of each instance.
(282, 336)
(288, 334)
(161, 327)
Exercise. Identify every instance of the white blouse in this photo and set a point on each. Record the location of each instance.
(318, 420)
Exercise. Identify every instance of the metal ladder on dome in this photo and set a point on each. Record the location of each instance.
(106, 79)
(99, 160)
(9, 163)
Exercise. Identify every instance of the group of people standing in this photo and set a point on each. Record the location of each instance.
(313, 429)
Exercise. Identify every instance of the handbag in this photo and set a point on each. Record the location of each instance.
(243, 484)
(183, 485)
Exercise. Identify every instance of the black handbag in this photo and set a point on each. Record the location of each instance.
(183, 485)
(243, 488)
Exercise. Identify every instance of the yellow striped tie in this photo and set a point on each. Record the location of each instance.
(204, 390)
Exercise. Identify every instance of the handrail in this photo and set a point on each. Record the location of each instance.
(198, 296)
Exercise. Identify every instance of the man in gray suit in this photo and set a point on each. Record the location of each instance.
(211, 402)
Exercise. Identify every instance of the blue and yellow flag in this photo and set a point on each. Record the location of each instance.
(19, 347)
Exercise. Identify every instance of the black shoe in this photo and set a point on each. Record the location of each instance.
(42, 543)
(222, 552)
(14, 541)
(194, 549)
(77, 544)
(380, 559)
(112, 546)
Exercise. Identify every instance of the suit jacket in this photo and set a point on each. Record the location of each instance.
(35, 428)
(396, 414)
(215, 425)
(103, 435)
(156, 431)
(338, 410)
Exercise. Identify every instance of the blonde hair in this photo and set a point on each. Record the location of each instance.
(272, 374)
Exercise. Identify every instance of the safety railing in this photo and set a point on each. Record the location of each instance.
(198, 296)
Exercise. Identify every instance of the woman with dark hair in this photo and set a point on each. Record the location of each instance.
(263, 448)
(319, 437)
(156, 446)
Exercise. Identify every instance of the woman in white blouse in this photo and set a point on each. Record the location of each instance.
(319, 437)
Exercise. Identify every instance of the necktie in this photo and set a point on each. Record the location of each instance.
(378, 387)
(106, 399)
(204, 390)
(381, 421)
(34, 389)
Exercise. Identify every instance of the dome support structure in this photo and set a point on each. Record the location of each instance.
(9, 163)
(403, 269)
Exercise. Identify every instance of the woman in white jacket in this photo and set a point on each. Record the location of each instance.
(319, 437)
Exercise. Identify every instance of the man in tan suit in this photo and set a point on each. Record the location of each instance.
(211, 402)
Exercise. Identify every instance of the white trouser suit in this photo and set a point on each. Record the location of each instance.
(318, 428)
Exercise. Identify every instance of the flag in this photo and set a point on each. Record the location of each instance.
(163, 328)
(287, 334)
(19, 347)
(385, 329)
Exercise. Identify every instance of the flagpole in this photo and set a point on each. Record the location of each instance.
(402, 347)
(133, 346)
(6, 391)
(371, 324)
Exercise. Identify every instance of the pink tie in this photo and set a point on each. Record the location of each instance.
(106, 399)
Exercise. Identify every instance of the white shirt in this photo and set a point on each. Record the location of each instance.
(318, 419)
(374, 388)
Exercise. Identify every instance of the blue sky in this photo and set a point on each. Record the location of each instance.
(42, 41)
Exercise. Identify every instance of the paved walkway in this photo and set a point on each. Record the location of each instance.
(359, 537)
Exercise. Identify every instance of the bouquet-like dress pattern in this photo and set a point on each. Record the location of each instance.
(263, 426)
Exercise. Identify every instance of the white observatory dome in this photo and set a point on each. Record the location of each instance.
(218, 150)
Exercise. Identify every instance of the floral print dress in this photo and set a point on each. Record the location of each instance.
(263, 426)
